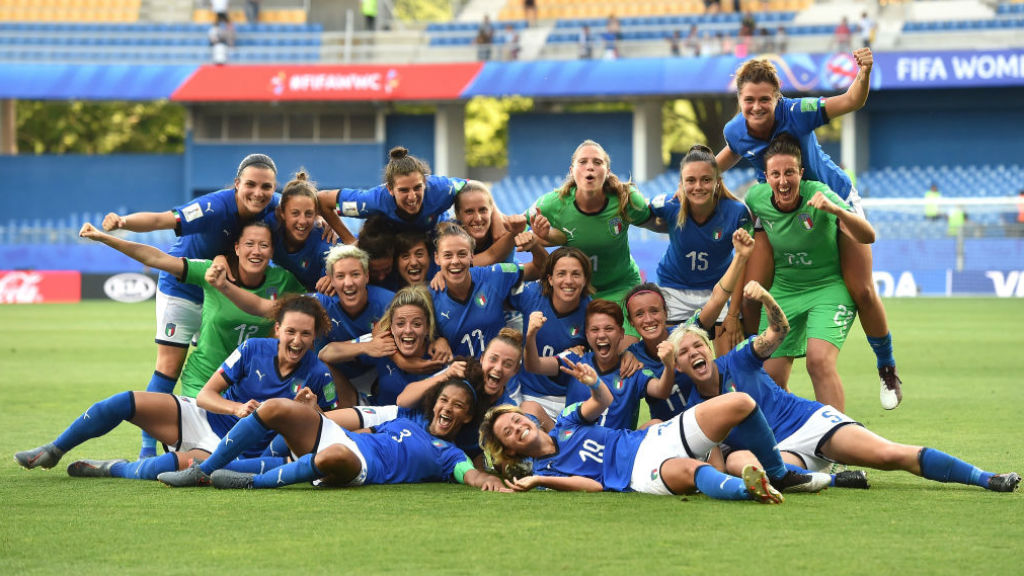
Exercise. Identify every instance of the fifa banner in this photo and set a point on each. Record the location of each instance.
(127, 287)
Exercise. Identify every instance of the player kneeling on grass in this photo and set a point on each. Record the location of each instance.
(260, 369)
(400, 451)
(812, 435)
(669, 458)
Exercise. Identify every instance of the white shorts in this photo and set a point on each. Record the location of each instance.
(376, 415)
(194, 431)
(331, 434)
(680, 437)
(363, 384)
(683, 303)
(514, 320)
(807, 440)
(552, 405)
(177, 320)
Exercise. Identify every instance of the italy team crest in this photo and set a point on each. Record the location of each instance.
(564, 435)
(272, 293)
(170, 328)
(297, 385)
(617, 384)
(805, 219)
(717, 234)
(574, 331)
(615, 226)
(438, 443)
(481, 299)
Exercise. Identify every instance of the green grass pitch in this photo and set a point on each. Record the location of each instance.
(960, 360)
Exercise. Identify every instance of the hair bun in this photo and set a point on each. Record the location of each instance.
(398, 152)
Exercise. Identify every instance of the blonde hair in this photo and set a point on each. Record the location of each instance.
(489, 442)
(415, 295)
(344, 252)
(683, 330)
(510, 336)
(612, 186)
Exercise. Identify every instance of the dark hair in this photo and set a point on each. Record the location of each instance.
(612, 185)
(257, 160)
(303, 304)
(558, 254)
(700, 153)
(473, 382)
(784, 145)
(299, 185)
(408, 239)
(402, 163)
(606, 307)
(645, 287)
(449, 228)
(377, 236)
(257, 224)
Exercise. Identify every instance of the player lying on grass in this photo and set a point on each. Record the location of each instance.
(260, 369)
(399, 451)
(669, 458)
(812, 435)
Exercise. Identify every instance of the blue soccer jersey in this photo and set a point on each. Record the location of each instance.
(799, 117)
(306, 263)
(345, 327)
(626, 392)
(401, 451)
(586, 449)
(469, 325)
(698, 254)
(251, 370)
(438, 197)
(391, 380)
(206, 227)
(742, 371)
(558, 334)
(660, 408)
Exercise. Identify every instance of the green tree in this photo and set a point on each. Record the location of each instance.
(77, 127)
(487, 128)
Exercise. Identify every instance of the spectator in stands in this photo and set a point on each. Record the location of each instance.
(781, 40)
(484, 39)
(674, 44)
(612, 34)
(530, 12)
(252, 11)
(747, 25)
(867, 30)
(955, 221)
(712, 6)
(223, 20)
(512, 46)
(370, 14)
(693, 41)
(586, 44)
(931, 204)
(842, 36)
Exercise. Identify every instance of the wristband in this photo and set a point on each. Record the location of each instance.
(594, 385)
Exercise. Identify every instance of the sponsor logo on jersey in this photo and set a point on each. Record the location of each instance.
(805, 219)
(717, 234)
(192, 212)
(129, 287)
(481, 299)
(564, 435)
(169, 329)
(438, 443)
(615, 226)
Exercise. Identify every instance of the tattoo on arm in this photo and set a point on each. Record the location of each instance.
(778, 326)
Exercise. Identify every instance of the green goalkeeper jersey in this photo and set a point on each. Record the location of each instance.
(803, 240)
(224, 327)
(603, 236)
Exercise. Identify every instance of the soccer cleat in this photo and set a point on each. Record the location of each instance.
(231, 480)
(891, 391)
(45, 456)
(758, 486)
(191, 476)
(795, 482)
(1004, 482)
(852, 479)
(92, 468)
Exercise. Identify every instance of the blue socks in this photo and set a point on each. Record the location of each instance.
(942, 467)
(302, 470)
(883, 350)
(718, 485)
(146, 469)
(245, 433)
(759, 439)
(100, 418)
(158, 383)
(278, 447)
(255, 465)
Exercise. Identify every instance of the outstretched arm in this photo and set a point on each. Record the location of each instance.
(726, 158)
(560, 483)
(857, 94)
(140, 221)
(484, 481)
(327, 202)
(767, 342)
(528, 242)
(143, 253)
(216, 276)
(413, 392)
(743, 245)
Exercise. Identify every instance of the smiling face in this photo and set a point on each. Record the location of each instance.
(298, 216)
(698, 183)
(408, 192)
(500, 362)
(455, 257)
(295, 334)
(414, 263)
(648, 315)
(518, 434)
(696, 359)
(604, 336)
(253, 190)
(410, 329)
(568, 281)
(590, 169)
(757, 104)
(783, 173)
(254, 249)
(349, 281)
(474, 213)
(452, 411)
